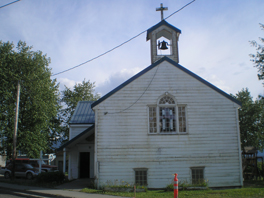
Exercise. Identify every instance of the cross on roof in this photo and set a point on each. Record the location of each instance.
(161, 10)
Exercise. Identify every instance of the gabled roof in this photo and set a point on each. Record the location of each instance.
(163, 22)
(83, 113)
(154, 65)
(86, 133)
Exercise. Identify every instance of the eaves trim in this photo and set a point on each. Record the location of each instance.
(163, 22)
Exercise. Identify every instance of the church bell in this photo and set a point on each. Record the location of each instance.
(163, 45)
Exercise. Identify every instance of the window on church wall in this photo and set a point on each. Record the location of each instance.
(167, 117)
(182, 118)
(197, 175)
(141, 176)
(163, 46)
(152, 120)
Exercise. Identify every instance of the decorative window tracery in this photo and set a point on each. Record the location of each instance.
(166, 100)
(167, 117)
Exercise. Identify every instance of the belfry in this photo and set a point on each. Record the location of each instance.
(163, 39)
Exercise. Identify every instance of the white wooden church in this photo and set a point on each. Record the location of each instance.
(163, 120)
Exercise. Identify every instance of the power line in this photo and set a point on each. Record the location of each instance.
(118, 45)
(139, 96)
(98, 55)
(153, 75)
(180, 9)
(9, 4)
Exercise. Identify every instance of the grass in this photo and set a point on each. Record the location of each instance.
(235, 193)
(251, 189)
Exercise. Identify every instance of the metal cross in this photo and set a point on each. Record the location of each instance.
(161, 10)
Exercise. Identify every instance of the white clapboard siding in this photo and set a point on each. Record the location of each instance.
(77, 129)
(123, 142)
(74, 159)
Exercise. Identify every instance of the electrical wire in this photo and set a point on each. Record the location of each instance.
(118, 45)
(99, 55)
(9, 4)
(180, 9)
(111, 113)
(139, 96)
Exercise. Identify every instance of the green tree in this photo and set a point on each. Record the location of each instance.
(258, 58)
(251, 120)
(81, 92)
(39, 99)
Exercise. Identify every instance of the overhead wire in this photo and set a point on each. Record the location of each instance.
(118, 45)
(116, 48)
(105, 113)
(139, 96)
(180, 9)
(99, 55)
(9, 4)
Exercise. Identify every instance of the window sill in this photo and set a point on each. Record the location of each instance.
(175, 133)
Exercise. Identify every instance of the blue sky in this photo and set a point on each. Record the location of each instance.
(214, 42)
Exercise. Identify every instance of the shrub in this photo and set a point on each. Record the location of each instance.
(185, 184)
(47, 177)
(170, 187)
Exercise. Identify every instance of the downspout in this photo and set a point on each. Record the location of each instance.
(69, 166)
(96, 170)
(239, 148)
(64, 160)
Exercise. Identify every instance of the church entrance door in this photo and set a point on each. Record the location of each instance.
(84, 164)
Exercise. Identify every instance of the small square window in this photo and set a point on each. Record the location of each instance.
(197, 175)
(141, 177)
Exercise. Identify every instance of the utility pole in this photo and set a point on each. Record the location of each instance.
(15, 130)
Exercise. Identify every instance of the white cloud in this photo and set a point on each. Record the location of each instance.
(115, 80)
(213, 44)
(67, 82)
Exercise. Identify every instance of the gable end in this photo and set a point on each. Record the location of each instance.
(163, 22)
(176, 65)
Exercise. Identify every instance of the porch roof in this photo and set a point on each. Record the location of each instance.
(83, 135)
(83, 113)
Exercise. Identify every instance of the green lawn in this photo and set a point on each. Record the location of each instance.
(245, 192)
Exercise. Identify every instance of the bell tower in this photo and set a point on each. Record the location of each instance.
(163, 39)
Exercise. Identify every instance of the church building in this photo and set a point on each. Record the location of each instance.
(163, 120)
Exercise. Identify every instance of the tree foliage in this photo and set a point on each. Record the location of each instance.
(251, 120)
(81, 92)
(258, 58)
(39, 99)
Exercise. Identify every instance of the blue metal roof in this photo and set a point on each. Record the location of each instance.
(163, 22)
(154, 65)
(83, 113)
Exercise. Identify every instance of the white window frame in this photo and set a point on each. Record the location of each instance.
(176, 107)
(141, 169)
(197, 168)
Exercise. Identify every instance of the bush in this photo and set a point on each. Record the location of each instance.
(184, 184)
(47, 177)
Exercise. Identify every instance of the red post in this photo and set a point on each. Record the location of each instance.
(175, 186)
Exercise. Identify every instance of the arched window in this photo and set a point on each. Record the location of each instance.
(166, 100)
(167, 117)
